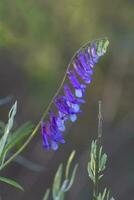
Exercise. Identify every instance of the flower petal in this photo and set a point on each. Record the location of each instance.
(46, 143)
(79, 88)
(81, 72)
(81, 60)
(73, 118)
(54, 145)
(71, 97)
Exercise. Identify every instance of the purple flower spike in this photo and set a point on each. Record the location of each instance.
(68, 106)
(51, 134)
(79, 88)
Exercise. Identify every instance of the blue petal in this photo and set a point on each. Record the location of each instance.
(78, 93)
(76, 107)
(44, 133)
(81, 72)
(54, 145)
(60, 124)
(59, 138)
(81, 59)
(74, 81)
(68, 93)
(73, 118)
(46, 143)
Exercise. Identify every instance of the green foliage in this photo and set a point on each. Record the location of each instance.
(92, 162)
(92, 166)
(46, 196)
(97, 163)
(8, 128)
(16, 139)
(10, 140)
(105, 195)
(11, 182)
(102, 46)
(61, 187)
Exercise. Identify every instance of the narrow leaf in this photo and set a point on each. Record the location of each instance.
(16, 138)
(57, 181)
(69, 163)
(8, 127)
(11, 182)
(46, 196)
(72, 178)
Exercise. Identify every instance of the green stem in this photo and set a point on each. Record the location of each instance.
(98, 144)
(100, 122)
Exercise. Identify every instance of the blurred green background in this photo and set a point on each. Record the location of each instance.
(37, 41)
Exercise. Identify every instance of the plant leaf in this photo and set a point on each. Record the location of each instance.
(102, 162)
(72, 178)
(46, 196)
(57, 181)
(69, 163)
(19, 134)
(8, 127)
(11, 182)
(16, 138)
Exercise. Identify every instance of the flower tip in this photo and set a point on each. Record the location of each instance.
(102, 46)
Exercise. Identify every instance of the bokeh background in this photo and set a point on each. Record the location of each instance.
(37, 40)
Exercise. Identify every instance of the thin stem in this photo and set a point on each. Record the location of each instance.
(100, 118)
(98, 144)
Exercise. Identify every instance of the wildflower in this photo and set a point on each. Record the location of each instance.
(51, 134)
(79, 88)
(68, 106)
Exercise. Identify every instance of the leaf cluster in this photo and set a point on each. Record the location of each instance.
(10, 140)
(97, 162)
(62, 184)
(102, 159)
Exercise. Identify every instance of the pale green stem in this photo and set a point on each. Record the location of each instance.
(96, 184)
